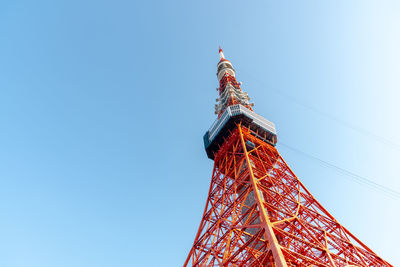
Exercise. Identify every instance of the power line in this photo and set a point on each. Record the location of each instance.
(355, 177)
(361, 130)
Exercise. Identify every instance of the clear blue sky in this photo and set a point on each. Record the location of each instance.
(103, 105)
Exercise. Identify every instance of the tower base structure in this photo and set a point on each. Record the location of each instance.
(258, 213)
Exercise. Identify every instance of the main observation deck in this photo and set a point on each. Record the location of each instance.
(233, 115)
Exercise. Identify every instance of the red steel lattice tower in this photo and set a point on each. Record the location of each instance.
(258, 213)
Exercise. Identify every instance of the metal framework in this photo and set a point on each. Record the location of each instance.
(258, 213)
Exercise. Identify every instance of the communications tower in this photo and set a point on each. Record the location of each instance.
(258, 213)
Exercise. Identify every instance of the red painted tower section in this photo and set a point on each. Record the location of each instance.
(258, 213)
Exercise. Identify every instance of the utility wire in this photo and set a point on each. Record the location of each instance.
(355, 177)
(361, 130)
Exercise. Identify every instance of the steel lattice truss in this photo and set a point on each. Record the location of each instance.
(258, 213)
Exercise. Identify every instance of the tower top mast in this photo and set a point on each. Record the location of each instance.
(230, 92)
(221, 54)
(233, 107)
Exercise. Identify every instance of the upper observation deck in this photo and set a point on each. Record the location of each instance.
(233, 115)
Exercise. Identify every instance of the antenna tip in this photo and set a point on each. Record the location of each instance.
(221, 53)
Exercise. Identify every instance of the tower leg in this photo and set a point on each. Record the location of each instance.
(269, 232)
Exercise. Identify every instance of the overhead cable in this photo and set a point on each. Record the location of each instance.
(361, 130)
(355, 177)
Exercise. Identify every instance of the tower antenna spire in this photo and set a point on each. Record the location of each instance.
(221, 53)
(229, 89)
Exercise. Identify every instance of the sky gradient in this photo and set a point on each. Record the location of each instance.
(103, 105)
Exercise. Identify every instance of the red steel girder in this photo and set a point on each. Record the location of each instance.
(258, 213)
